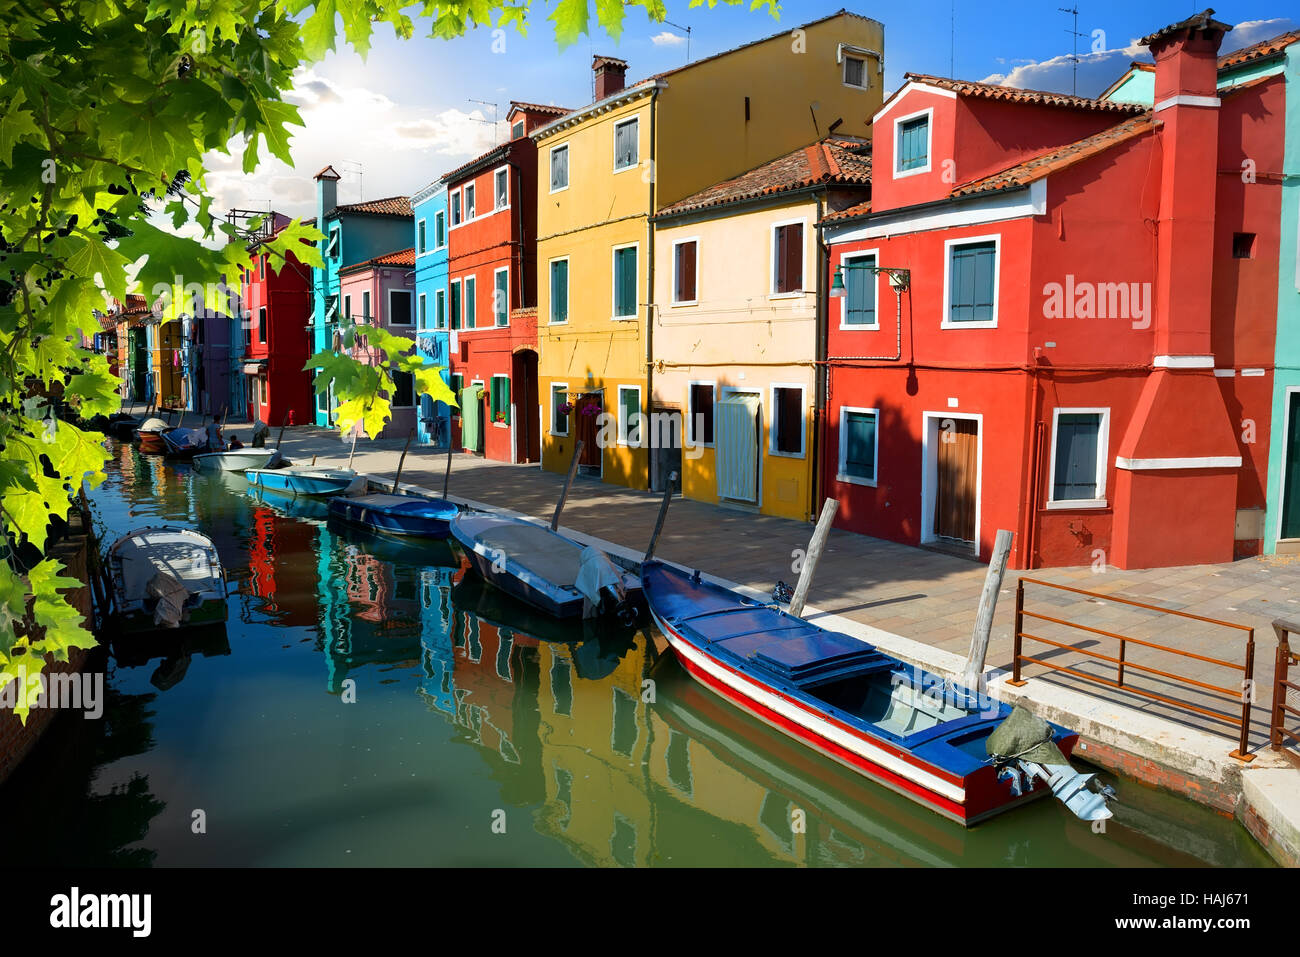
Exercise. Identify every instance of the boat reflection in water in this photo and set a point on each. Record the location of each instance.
(174, 650)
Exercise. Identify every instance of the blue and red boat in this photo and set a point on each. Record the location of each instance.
(894, 724)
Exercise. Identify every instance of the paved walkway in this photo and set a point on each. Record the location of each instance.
(923, 595)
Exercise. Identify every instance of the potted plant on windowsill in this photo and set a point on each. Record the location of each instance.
(501, 417)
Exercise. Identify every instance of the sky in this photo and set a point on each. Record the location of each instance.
(411, 111)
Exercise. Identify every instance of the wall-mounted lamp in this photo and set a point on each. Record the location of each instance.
(900, 279)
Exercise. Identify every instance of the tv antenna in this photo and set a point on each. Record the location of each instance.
(1074, 56)
(354, 166)
(687, 31)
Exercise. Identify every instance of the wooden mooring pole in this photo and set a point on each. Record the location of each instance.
(354, 444)
(815, 547)
(402, 461)
(663, 514)
(446, 476)
(973, 673)
(568, 481)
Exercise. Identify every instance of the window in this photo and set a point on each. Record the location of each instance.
(440, 309)
(700, 424)
(625, 282)
(455, 304)
(423, 314)
(263, 390)
(559, 168)
(629, 415)
(859, 291)
(501, 297)
(439, 229)
(971, 290)
(517, 130)
(502, 182)
(334, 242)
(855, 72)
(469, 201)
(403, 390)
(787, 258)
(499, 399)
(559, 290)
(787, 420)
(455, 208)
(365, 307)
(471, 306)
(858, 446)
(913, 146)
(419, 237)
(1243, 245)
(684, 258)
(261, 267)
(1079, 455)
(261, 324)
(399, 308)
(627, 145)
(457, 385)
(559, 418)
(347, 307)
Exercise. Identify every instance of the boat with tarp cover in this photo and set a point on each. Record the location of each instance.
(966, 756)
(408, 515)
(166, 577)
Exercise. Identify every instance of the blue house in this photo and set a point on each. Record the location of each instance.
(429, 207)
(354, 233)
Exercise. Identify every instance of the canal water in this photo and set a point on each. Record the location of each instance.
(371, 703)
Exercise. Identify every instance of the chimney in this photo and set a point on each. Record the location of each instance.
(610, 75)
(327, 192)
(1187, 104)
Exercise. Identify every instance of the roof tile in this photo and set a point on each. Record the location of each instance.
(400, 258)
(1011, 94)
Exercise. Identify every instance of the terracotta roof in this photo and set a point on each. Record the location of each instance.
(391, 206)
(853, 212)
(537, 108)
(400, 258)
(327, 173)
(1011, 94)
(1260, 50)
(829, 162)
(482, 159)
(599, 60)
(1201, 21)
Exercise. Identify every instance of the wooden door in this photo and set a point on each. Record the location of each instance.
(1291, 476)
(957, 486)
(585, 412)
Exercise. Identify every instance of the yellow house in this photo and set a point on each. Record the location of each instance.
(605, 169)
(735, 320)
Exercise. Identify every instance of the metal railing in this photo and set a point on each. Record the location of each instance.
(1242, 694)
(1278, 732)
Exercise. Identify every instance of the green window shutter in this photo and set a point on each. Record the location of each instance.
(629, 401)
(471, 306)
(501, 299)
(625, 282)
(560, 291)
(1077, 436)
(859, 292)
(972, 274)
(860, 444)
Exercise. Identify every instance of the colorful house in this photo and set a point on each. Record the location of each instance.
(381, 292)
(492, 290)
(429, 207)
(354, 233)
(735, 328)
(1048, 319)
(277, 311)
(165, 385)
(605, 169)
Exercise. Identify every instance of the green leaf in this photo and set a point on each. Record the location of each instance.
(62, 623)
(372, 412)
(96, 258)
(318, 31)
(570, 19)
(19, 125)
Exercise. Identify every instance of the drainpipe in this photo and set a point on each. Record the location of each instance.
(650, 286)
(820, 378)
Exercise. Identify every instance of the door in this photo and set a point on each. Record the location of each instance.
(585, 413)
(1291, 474)
(736, 431)
(957, 485)
(665, 432)
(528, 445)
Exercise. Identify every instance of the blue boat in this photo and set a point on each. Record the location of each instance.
(900, 726)
(306, 481)
(407, 515)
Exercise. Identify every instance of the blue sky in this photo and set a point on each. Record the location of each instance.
(406, 115)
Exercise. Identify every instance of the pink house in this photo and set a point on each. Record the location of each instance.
(381, 292)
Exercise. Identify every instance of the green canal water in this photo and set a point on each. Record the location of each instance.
(370, 703)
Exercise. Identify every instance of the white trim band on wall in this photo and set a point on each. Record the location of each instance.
(1204, 462)
(1188, 100)
(1183, 362)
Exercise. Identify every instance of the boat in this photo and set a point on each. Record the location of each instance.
(182, 443)
(307, 481)
(166, 577)
(236, 460)
(149, 436)
(543, 568)
(407, 515)
(966, 756)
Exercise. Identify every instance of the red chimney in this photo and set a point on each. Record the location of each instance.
(1187, 103)
(610, 74)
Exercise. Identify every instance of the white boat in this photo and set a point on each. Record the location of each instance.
(166, 577)
(236, 460)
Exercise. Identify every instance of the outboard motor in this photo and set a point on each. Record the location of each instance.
(601, 584)
(1022, 749)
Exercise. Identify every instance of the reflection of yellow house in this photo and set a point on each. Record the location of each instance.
(604, 169)
(165, 353)
(734, 328)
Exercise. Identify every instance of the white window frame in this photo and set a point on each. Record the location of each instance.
(465, 298)
(440, 298)
(568, 167)
(335, 249)
(928, 113)
(623, 424)
(421, 311)
(845, 57)
(873, 253)
(840, 474)
(1103, 459)
(613, 284)
(803, 420)
(457, 218)
(636, 162)
(461, 297)
(471, 208)
(389, 317)
(495, 423)
(551, 394)
(550, 291)
(495, 273)
(522, 127)
(673, 296)
(495, 173)
(347, 307)
(440, 215)
(945, 322)
(690, 411)
(771, 260)
(422, 237)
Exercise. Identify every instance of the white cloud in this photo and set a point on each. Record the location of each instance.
(667, 39)
(1252, 31)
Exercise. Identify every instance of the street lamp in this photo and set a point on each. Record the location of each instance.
(900, 278)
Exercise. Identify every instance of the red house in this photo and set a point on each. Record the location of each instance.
(1052, 318)
(492, 293)
(276, 338)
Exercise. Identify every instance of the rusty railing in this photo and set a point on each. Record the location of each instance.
(1278, 732)
(1243, 694)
